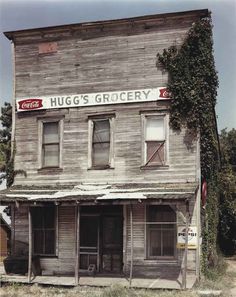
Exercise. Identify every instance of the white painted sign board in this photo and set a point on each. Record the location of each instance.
(91, 99)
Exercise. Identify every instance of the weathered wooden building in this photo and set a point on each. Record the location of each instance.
(109, 188)
(5, 236)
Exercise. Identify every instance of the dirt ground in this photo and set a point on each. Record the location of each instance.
(231, 270)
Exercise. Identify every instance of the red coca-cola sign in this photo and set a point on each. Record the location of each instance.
(164, 93)
(30, 104)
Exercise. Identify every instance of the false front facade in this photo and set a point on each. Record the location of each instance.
(108, 187)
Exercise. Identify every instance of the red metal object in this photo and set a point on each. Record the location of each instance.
(164, 93)
(204, 193)
(30, 104)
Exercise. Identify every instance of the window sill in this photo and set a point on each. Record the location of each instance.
(105, 167)
(153, 167)
(160, 260)
(45, 256)
(50, 170)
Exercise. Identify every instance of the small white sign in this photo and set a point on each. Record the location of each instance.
(90, 99)
(192, 237)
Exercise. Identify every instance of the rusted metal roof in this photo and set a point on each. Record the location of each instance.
(100, 192)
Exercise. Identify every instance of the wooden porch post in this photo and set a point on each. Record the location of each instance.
(30, 246)
(131, 245)
(77, 245)
(184, 281)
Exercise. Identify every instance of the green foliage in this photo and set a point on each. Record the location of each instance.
(193, 86)
(228, 148)
(6, 165)
(227, 183)
(6, 157)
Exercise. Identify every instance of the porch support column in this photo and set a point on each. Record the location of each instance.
(184, 281)
(30, 246)
(131, 245)
(77, 245)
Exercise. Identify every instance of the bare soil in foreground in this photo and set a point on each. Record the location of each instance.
(226, 283)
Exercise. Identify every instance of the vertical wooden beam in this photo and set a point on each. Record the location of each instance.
(30, 246)
(12, 248)
(13, 100)
(198, 202)
(184, 280)
(131, 246)
(77, 245)
(125, 238)
(98, 245)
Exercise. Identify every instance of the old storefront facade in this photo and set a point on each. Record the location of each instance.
(109, 188)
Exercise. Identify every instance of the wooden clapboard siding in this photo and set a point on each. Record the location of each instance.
(21, 231)
(122, 56)
(143, 265)
(64, 262)
(127, 148)
(66, 240)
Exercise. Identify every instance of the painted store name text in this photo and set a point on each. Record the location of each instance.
(90, 99)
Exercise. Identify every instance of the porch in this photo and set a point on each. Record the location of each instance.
(102, 281)
(116, 245)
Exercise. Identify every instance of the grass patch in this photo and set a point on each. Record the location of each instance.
(114, 291)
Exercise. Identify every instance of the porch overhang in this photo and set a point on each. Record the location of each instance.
(100, 193)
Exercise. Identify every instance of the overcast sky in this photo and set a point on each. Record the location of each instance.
(25, 14)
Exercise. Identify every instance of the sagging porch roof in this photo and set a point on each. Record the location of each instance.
(99, 192)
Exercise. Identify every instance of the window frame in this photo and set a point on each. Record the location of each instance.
(147, 234)
(165, 118)
(41, 123)
(55, 254)
(91, 120)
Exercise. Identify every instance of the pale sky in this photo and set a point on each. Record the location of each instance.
(26, 14)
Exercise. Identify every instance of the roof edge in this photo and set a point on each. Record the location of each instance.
(201, 12)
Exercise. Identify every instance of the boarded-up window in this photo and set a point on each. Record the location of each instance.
(101, 143)
(51, 145)
(154, 140)
(44, 230)
(161, 231)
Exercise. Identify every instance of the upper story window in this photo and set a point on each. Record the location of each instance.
(155, 140)
(101, 143)
(50, 143)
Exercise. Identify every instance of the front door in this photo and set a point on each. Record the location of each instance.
(89, 241)
(111, 243)
(101, 238)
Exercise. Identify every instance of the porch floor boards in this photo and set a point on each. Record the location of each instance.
(100, 281)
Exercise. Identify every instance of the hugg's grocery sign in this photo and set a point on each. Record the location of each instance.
(90, 99)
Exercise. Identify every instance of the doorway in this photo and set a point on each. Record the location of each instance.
(101, 238)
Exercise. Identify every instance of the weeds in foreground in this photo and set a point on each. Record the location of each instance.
(113, 291)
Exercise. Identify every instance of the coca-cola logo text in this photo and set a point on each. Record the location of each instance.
(164, 93)
(30, 104)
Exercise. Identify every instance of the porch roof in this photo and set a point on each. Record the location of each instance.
(100, 192)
